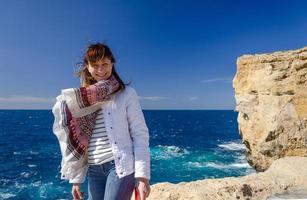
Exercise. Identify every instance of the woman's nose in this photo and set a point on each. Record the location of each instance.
(100, 69)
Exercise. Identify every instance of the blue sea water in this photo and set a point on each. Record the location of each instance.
(185, 145)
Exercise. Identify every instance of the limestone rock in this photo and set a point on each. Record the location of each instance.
(285, 174)
(271, 98)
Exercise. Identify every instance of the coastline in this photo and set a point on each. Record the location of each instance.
(285, 174)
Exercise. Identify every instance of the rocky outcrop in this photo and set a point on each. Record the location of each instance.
(271, 99)
(285, 174)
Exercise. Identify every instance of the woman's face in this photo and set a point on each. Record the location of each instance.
(101, 70)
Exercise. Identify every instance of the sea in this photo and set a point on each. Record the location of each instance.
(185, 145)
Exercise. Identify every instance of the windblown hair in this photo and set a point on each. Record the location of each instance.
(94, 53)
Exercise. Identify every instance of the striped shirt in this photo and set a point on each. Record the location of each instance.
(99, 148)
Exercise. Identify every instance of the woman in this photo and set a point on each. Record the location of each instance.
(102, 132)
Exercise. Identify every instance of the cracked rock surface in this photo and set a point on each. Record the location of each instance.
(271, 100)
(287, 174)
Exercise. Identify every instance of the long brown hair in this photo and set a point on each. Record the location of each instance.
(94, 53)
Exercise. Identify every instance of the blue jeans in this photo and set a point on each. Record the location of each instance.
(104, 184)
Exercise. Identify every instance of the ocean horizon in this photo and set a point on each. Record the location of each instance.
(185, 145)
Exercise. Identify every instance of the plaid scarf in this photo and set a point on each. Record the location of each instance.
(75, 113)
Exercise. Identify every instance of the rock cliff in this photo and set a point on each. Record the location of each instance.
(271, 99)
(285, 174)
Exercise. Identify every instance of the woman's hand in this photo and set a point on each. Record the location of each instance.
(76, 191)
(143, 188)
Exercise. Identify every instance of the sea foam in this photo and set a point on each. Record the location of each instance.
(232, 146)
(167, 152)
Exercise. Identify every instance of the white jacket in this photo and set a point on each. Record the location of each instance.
(128, 135)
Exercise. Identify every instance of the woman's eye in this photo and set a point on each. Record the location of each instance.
(105, 65)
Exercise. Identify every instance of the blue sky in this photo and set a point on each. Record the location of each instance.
(178, 54)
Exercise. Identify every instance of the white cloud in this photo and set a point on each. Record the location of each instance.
(222, 79)
(153, 98)
(26, 99)
(194, 98)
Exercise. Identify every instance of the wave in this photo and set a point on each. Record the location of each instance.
(167, 152)
(34, 152)
(20, 185)
(36, 190)
(25, 174)
(232, 146)
(227, 166)
(219, 165)
(6, 195)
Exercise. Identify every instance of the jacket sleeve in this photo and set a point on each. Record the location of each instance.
(80, 177)
(139, 134)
